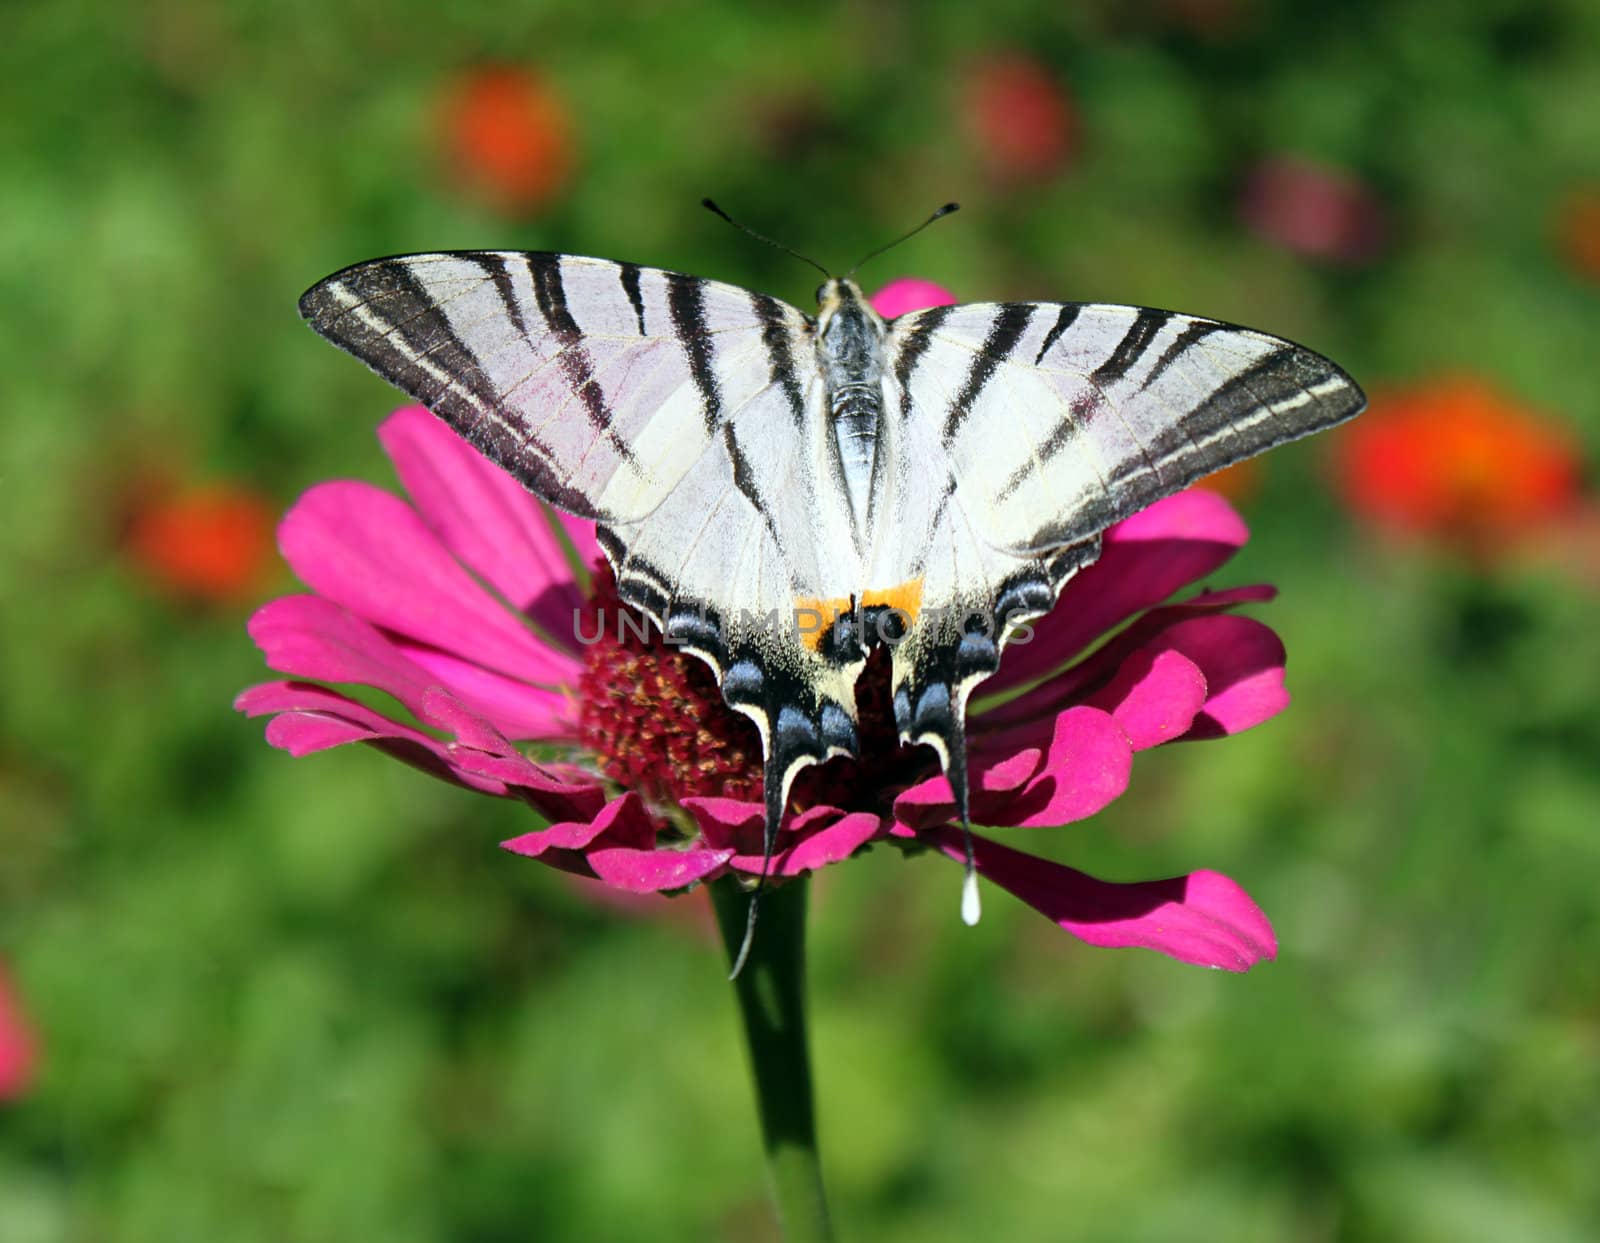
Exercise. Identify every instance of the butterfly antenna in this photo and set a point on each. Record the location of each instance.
(762, 237)
(774, 797)
(944, 211)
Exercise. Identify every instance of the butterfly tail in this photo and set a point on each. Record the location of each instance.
(794, 741)
(956, 773)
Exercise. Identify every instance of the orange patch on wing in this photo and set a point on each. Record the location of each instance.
(907, 597)
(813, 618)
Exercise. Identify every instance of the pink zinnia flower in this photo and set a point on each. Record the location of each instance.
(463, 605)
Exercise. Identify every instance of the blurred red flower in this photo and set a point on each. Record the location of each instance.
(1578, 230)
(18, 1051)
(507, 136)
(1313, 210)
(1019, 117)
(1457, 459)
(211, 542)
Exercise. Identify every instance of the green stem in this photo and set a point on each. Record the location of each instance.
(772, 994)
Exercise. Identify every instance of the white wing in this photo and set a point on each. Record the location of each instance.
(1062, 418)
(597, 384)
(1028, 428)
(685, 415)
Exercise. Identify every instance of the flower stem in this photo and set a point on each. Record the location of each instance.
(771, 993)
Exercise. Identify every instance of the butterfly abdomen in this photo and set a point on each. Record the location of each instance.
(850, 360)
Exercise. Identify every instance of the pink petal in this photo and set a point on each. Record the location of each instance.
(1079, 681)
(1087, 766)
(738, 824)
(622, 822)
(1203, 918)
(1154, 696)
(900, 297)
(518, 710)
(369, 551)
(726, 820)
(581, 532)
(313, 718)
(310, 637)
(816, 848)
(1243, 662)
(486, 518)
(1143, 561)
(651, 871)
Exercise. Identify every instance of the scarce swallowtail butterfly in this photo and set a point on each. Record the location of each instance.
(780, 492)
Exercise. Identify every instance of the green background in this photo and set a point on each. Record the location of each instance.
(311, 1000)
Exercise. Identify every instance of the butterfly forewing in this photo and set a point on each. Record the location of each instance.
(597, 384)
(1063, 418)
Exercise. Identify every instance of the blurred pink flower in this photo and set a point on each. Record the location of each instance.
(1019, 117)
(18, 1050)
(462, 606)
(1314, 210)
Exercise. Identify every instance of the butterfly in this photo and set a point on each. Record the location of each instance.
(782, 493)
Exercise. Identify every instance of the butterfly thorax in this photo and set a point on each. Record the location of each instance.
(850, 358)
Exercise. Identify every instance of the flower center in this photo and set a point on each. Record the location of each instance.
(655, 719)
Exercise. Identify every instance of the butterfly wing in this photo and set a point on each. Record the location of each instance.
(1044, 423)
(596, 384)
(1063, 418)
(685, 415)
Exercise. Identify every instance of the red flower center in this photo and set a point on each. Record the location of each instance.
(655, 719)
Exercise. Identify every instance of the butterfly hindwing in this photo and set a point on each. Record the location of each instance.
(735, 566)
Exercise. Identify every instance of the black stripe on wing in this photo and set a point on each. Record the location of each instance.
(687, 307)
(778, 337)
(1131, 348)
(1288, 393)
(575, 363)
(1010, 322)
(1064, 317)
(383, 314)
(915, 345)
(630, 276)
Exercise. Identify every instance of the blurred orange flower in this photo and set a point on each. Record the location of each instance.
(1457, 459)
(1238, 482)
(508, 136)
(1019, 117)
(211, 542)
(1578, 230)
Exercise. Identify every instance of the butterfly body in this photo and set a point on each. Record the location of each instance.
(849, 337)
(780, 494)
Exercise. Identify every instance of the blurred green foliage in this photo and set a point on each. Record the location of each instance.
(310, 1000)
